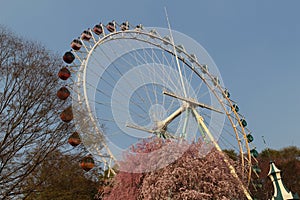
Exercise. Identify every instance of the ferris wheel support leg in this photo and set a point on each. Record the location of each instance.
(186, 120)
(231, 168)
(163, 124)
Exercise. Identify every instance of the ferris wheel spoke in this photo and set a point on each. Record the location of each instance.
(142, 76)
(111, 77)
(108, 104)
(117, 69)
(107, 95)
(222, 137)
(168, 63)
(164, 70)
(169, 78)
(154, 88)
(198, 88)
(158, 75)
(142, 81)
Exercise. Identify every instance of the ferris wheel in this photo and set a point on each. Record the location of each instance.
(130, 83)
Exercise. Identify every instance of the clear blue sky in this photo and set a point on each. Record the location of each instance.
(255, 44)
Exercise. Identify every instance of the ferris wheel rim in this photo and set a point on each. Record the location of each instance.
(148, 34)
(107, 36)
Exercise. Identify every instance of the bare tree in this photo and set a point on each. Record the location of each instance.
(30, 127)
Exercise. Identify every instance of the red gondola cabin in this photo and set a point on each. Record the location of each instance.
(64, 73)
(68, 57)
(63, 93)
(86, 35)
(98, 29)
(111, 26)
(76, 44)
(67, 115)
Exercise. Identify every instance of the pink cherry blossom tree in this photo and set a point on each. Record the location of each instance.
(191, 176)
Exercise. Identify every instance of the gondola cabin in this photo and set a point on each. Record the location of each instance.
(98, 29)
(235, 108)
(243, 122)
(139, 27)
(167, 40)
(86, 35)
(74, 139)
(111, 26)
(87, 163)
(250, 138)
(69, 57)
(76, 44)
(63, 93)
(64, 73)
(226, 93)
(216, 81)
(179, 48)
(125, 26)
(204, 69)
(153, 32)
(67, 115)
(193, 58)
(254, 153)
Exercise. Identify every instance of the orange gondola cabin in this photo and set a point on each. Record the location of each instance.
(87, 163)
(74, 139)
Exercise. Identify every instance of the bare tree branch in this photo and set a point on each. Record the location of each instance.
(30, 127)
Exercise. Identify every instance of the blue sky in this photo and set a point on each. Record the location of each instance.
(255, 44)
